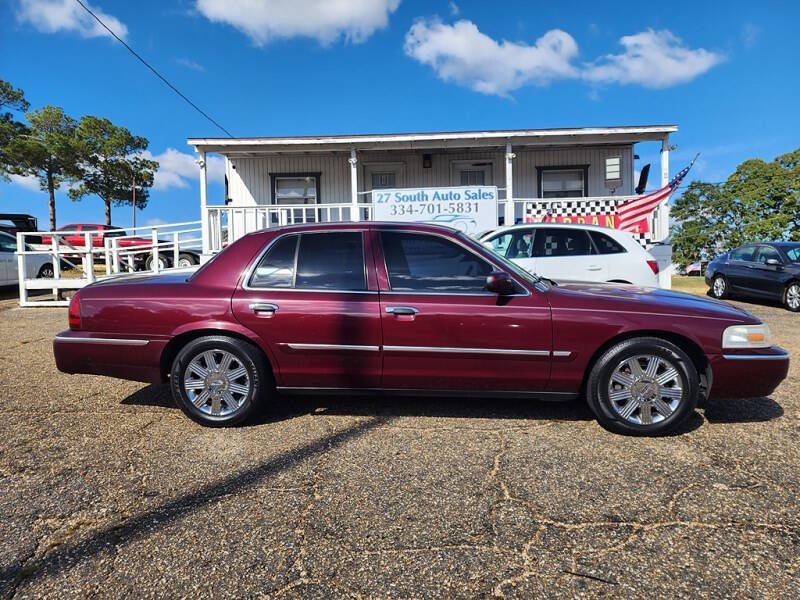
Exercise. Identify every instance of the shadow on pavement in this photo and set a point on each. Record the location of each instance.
(69, 554)
(750, 410)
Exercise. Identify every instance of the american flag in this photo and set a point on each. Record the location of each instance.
(631, 213)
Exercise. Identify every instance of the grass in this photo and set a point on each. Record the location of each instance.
(693, 285)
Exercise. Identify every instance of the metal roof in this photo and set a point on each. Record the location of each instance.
(435, 140)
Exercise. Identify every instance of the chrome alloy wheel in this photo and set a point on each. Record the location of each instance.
(185, 263)
(645, 389)
(216, 382)
(719, 287)
(793, 296)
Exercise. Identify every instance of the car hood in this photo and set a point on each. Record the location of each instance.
(634, 298)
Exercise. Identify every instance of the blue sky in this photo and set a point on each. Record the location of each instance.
(299, 67)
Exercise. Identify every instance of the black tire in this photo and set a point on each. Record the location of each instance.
(790, 294)
(163, 262)
(720, 291)
(186, 260)
(258, 379)
(46, 271)
(608, 413)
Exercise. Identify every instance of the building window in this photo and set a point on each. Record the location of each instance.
(613, 172)
(295, 188)
(470, 177)
(467, 172)
(562, 182)
(384, 180)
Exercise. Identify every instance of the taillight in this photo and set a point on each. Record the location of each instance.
(75, 312)
(653, 265)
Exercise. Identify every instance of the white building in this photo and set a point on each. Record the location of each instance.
(568, 173)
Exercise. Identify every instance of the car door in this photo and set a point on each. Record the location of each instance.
(566, 253)
(313, 299)
(739, 268)
(443, 331)
(766, 279)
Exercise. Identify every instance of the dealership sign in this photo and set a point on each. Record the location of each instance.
(470, 209)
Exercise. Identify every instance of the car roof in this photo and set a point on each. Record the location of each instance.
(349, 225)
(519, 226)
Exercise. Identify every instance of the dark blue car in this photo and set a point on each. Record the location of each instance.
(761, 270)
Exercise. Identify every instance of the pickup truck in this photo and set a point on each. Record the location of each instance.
(142, 260)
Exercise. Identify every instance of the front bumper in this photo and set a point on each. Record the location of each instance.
(748, 374)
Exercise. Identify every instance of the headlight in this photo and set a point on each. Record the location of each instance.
(747, 336)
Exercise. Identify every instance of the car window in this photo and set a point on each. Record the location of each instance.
(561, 242)
(743, 253)
(8, 243)
(792, 253)
(765, 253)
(513, 244)
(332, 260)
(428, 263)
(276, 269)
(605, 244)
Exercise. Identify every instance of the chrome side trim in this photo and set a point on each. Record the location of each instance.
(784, 356)
(543, 395)
(294, 346)
(466, 350)
(108, 341)
(561, 353)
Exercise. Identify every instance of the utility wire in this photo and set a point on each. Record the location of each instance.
(157, 74)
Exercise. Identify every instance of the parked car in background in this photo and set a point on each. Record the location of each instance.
(36, 265)
(768, 270)
(577, 252)
(411, 309)
(142, 260)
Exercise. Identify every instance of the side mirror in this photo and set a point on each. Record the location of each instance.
(499, 282)
(773, 262)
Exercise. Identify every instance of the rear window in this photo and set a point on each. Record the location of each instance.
(743, 253)
(606, 244)
(561, 242)
(793, 253)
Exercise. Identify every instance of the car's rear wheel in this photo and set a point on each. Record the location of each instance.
(163, 262)
(186, 260)
(46, 271)
(219, 381)
(791, 296)
(719, 287)
(643, 386)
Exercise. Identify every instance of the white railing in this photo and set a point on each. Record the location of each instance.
(151, 249)
(226, 224)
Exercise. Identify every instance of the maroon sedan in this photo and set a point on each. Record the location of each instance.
(411, 309)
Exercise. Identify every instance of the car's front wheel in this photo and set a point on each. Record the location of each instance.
(219, 381)
(643, 386)
(719, 287)
(791, 296)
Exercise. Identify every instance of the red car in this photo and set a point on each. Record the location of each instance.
(411, 309)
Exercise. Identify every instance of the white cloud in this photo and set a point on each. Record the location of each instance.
(50, 16)
(190, 64)
(653, 59)
(462, 54)
(750, 34)
(323, 20)
(454, 10)
(176, 169)
(29, 182)
(154, 222)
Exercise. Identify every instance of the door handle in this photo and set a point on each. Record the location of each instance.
(264, 308)
(594, 268)
(401, 310)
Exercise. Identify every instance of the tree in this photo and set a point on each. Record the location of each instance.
(11, 99)
(46, 151)
(110, 161)
(759, 201)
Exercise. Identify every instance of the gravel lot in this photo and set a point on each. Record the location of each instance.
(108, 489)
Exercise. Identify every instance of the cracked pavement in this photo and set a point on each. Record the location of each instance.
(108, 490)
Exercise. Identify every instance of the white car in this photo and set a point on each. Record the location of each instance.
(36, 265)
(575, 252)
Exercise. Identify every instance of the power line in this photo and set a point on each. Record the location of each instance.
(157, 74)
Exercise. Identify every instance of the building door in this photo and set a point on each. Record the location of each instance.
(442, 330)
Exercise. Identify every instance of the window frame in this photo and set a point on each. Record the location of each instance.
(617, 179)
(273, 186)
(585, 168)
(521, 289)
(254, 265)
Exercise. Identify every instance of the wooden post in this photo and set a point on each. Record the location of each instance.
(107, 245)
(154, 237)
(509, 215)
(23, 290)
(175, 249)
(354, 210)
(56, 263)
(89, 254)
(115, 254)
(204, 205)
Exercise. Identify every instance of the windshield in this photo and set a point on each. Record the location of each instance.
(513, 268)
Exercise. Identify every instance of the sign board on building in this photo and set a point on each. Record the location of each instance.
(471, 209)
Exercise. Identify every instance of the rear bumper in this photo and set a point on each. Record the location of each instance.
(135, 358)
(751, 374)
